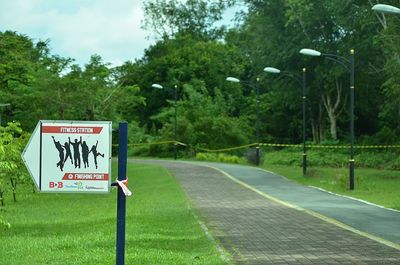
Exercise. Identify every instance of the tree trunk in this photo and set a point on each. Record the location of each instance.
(14, 188)
(321, 124)
(332, 122)
(333, 110)
(318, 125)
(333, 128)
(314, 131)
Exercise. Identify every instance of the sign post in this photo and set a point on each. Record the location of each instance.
(121, 201)
(75, 157)
(70, 156)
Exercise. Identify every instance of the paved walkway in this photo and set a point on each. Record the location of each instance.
(258, 230)
(365, 217)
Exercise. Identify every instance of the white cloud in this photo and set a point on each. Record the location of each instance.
(78, 29)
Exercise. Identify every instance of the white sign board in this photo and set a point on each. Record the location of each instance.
(70, 156)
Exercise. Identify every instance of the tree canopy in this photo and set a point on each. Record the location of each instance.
(196, 54)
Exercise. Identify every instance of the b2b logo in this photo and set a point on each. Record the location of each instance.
(55, 185)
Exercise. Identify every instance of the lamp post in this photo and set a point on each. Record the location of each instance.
(302, 81)
(236, 80)
(175, 114)
(386, 9)
(348, 64)
(3, 105)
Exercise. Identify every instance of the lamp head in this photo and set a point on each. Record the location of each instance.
(272, 70)
(310, 52)
(157, 86)
(232, 79)
(386, 9)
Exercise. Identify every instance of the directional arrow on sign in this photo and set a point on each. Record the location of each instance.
(31, 156)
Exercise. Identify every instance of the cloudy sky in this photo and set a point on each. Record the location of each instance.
(80, 28)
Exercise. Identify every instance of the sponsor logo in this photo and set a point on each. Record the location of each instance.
(94, 188)
(76, 185)
(56, 185)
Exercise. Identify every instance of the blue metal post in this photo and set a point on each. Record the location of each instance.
(121, 202)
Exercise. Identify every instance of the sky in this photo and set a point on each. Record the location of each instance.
(80, 28)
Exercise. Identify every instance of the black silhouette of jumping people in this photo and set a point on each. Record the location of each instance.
(68, 153)
(85, 154)
(64, 152)
(93, 150)
(77, 156)
(60, 149)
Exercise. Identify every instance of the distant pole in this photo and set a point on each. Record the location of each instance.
(304, 124)
(175, 119)
(351, 162)
(121, 201)
(258, 122)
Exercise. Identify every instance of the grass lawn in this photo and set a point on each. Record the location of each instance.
(374, 185)
(80, 229)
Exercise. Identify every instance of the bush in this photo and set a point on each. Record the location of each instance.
(213, 157)
(318, 157)
(12, 169)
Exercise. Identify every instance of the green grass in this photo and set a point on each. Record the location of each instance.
(374, 185)
(80, 229)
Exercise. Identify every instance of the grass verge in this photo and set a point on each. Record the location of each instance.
(374, 185)
(80, 229)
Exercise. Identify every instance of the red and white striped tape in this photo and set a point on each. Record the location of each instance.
(123, 184)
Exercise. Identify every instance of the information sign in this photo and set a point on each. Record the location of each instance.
(70, 156)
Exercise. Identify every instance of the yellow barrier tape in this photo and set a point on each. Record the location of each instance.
(227, 149)
(268, 145)
(156, 143)
(300, 146)
(333, 146)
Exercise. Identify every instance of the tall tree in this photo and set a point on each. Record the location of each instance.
(273, 32)
(167, 18)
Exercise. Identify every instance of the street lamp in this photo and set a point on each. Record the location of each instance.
(386, 9)
(236, 80)
(348, 64)
(175, 114)
(3, 105)
(302, 81)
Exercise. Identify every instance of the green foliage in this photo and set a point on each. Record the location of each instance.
(218, 157)
(12, 142)
(4, 223)
(201, 121)
(196, 55)
(337, 158)
(196, 17)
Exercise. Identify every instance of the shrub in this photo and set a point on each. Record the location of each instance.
(12, 142)
(213, 157)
